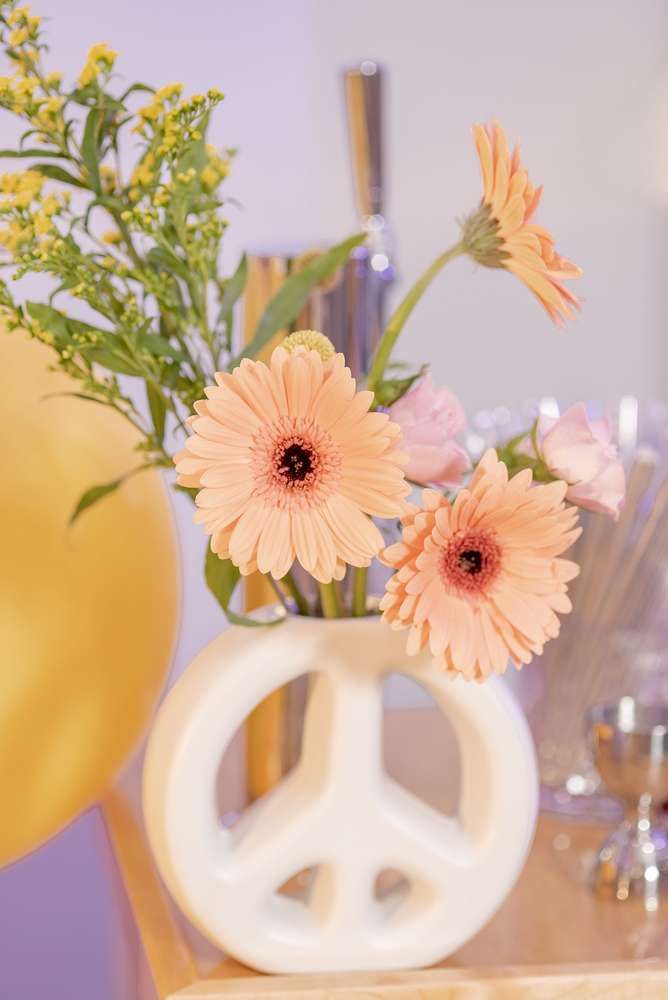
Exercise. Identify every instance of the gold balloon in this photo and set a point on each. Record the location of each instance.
(88, 614)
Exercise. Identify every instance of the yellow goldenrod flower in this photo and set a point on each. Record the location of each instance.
(111, 237)
(25, 86)
(150, 112)
(22, 15)
(18, 36)
(214, 94)
(54, 104)
(24, 187)
(209, 178)
(161, 197)
(100, 58)
(50, 205)
(45, 336)
(42, 223)
(109, 178)
(143, 173)
(53, 80)
(14, 236)
(169, 91)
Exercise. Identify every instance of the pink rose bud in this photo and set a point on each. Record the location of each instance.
(582, 453)
(430, 419)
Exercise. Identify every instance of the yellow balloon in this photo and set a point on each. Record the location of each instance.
(88, 614)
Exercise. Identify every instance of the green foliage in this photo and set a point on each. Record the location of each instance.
(93, 495)
(389, 390)
(137, 255)
(292, 295)
(523, 452)
(222, 578)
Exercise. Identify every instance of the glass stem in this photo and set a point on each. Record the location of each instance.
(329, 600)
(359, 591)
(295, 593)
(403, 311)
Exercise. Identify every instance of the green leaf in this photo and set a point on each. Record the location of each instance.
(114, 362)
(136, 87)
(400, 315)
(76, 395)
(57, 323)
(390, 390)
(63, 327)
(222, 577)
(158, 408)
(233, 289)
(162, 259)
(58, 174)
(160, 347)
(90, 145)
(48, 318)
(92, 496)
(14, 153)
(195, 154)
(112, 205)
(292, 295)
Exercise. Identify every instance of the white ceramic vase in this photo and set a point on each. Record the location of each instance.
(338, 810)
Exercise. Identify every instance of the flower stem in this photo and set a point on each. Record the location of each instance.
(277, 590)
(295, 593)
(329, 600)
(403, 311)
(359, 591)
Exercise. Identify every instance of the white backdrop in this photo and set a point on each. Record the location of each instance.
(586, 86)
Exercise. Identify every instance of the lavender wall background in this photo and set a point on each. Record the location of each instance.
(586, 85)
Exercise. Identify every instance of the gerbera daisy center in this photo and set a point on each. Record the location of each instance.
(296, 462)
(471, 561)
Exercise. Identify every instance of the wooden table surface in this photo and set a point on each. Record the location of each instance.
(551, 940)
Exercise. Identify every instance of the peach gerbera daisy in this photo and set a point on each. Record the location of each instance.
(290, 464)
(501, 233)
(479, 580)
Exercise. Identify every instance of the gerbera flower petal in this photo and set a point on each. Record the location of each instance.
(290, 464)
(480, 580)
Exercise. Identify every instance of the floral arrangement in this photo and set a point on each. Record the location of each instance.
(121, 210)
(289, 461)
(292, 462)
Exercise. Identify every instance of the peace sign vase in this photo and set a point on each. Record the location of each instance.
(337, 812)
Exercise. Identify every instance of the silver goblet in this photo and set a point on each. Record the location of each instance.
(629, 743)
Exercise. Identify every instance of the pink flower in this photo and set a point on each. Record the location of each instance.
(582, 453)
(430, 419)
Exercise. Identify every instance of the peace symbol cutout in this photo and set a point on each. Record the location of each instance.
(337, 811)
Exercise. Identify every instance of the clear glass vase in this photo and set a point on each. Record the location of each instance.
(615, 641)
